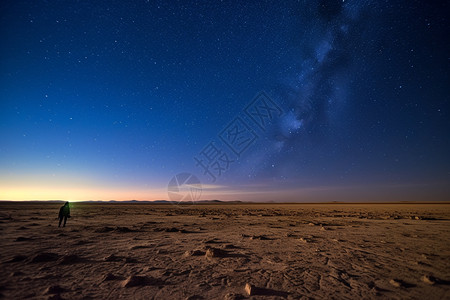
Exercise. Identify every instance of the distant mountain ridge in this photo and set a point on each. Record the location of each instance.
(160, 201)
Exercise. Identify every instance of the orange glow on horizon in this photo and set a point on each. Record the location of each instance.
(69, 187)
(81, 194)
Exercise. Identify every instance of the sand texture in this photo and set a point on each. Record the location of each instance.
(240, 251)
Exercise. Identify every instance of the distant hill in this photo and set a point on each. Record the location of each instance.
(160, 201)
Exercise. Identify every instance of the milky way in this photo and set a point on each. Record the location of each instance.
(316, 93)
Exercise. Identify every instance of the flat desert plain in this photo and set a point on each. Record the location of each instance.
(225, 251)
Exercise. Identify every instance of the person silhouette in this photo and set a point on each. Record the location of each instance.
(64, 213)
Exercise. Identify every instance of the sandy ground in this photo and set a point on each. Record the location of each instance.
(295, 251)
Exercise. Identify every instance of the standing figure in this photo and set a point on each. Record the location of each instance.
(64, 213)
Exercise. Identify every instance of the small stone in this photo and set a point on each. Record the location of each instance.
(130, 260)
(17, 273)
(214, 252)
(124, 229)
(109, 277)
(104, 229)
(70, 259)
(193, 253)
(429, 279)
(113, 257)
(55, 289)
(395, 282)
(45, 257)
(137, 280)
(18, 258)
(259, 237)
(249, 289)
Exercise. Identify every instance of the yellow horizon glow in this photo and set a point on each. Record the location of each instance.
(81, 194)
(70, 187)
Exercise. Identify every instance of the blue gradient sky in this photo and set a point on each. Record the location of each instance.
(109, 100)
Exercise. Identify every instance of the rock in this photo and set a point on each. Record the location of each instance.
(18, 258)
(45, 257)
(83, 242)
(123, 229)
(110, 276)
(55, 289)
(70, 259)
(395, 282)
(429, 279)
(113, 257)
(5, 216)
(249, 289)
(259, 237)
(140, 247)
(17, 273)
(104, 229)
(212, 241)
(214, 252)
(131, 260)
(193, 253)
(137, 280)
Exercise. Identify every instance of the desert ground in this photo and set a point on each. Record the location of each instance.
(225, 251)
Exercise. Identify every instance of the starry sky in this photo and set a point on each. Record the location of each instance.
(317, 100)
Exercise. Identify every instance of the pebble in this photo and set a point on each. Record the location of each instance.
(429, 279)
(395, 283)
(249, 289)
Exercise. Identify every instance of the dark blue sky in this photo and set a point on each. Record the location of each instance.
(111, 99)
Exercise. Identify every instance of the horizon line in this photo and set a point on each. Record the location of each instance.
(216, 201)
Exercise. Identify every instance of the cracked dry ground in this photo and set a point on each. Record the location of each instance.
(285, 251)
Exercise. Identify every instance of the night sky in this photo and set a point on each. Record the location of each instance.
(111, 99)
